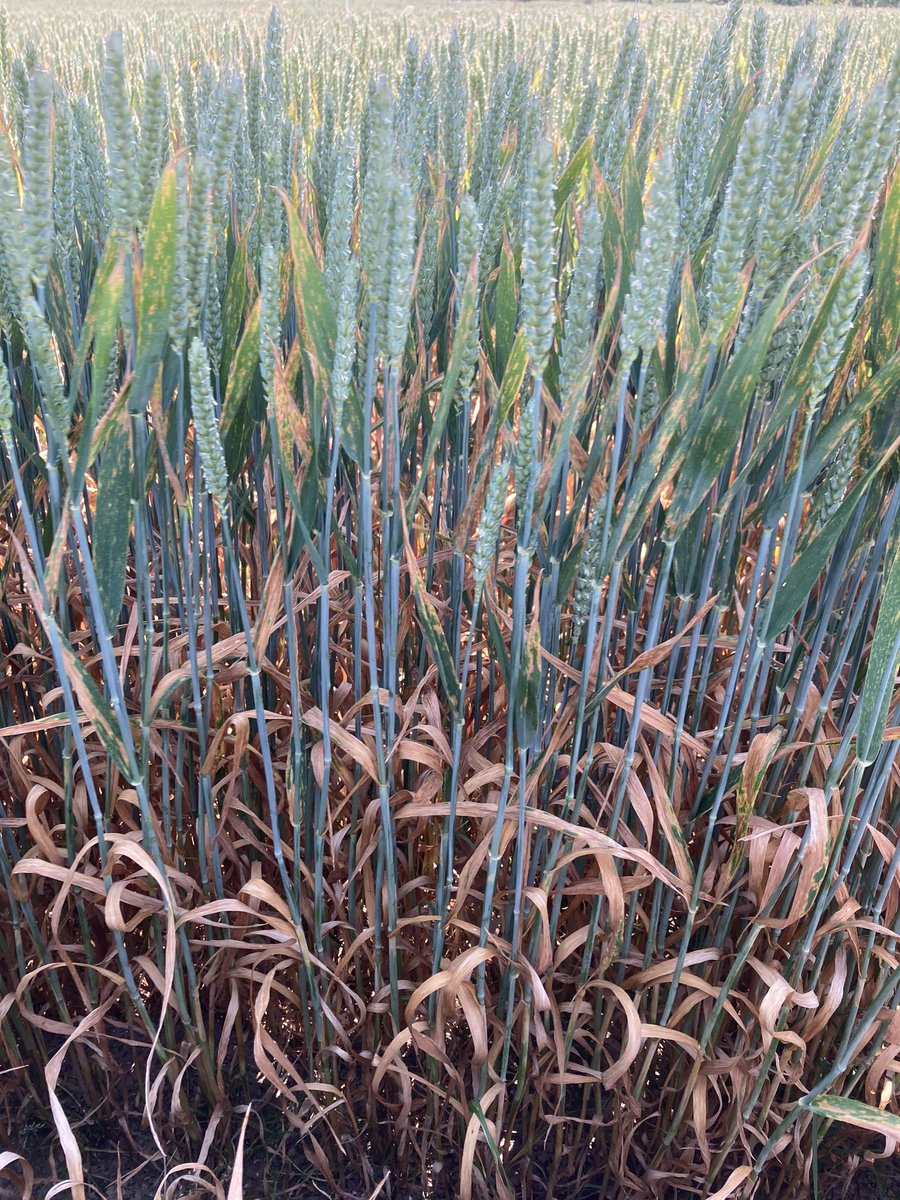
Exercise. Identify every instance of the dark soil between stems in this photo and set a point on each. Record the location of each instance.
(881, 1181)
(118, 1172)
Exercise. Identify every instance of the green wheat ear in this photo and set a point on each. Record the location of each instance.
(778, 215)
(645, 305)
(399, 285)
(377, 202)
(224, 141)
(426, 280)
(756, 56)
(581, 302)
(215, 333)
(537, 256)
(588, 566)
(39, 340)
(6, 405)
(65, 170)
(345, 342)
(269, 316)
(206, 424)
(468, 236)
(489, 525)
(199, 232)
(837, 326)
(735, 229)
(179, 312)
(836, 478)
(339, 225)
(38, 212)
(153, 135)
(120, 137)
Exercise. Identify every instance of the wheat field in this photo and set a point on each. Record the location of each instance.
(449, 600)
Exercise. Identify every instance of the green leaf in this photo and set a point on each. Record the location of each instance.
(309, 541)
(878, 394)
(506, 310)
(58, 309)
(349, 558)
(512, 378)
(157, 286)
(290, 426)
(498, 644)
(94, 705)
(500, 412)
(317, 319)
(854, 1112)
(691, 329)
(448, 391)
(713, 436)
(529, 687)
(615, 251)
(100, 328)
(434, 632)
(475, 1107)
(661, 459)
(723, 155)
(796, 386)
(805, 570)
(112, 519)
(237, 420)
(240, 290)
(572, 404)
(794, 390)
(790, 396)
(821, 152)
(881, 668)
(352, 425)
(886, 279)
(572, 175)
(632, 202)
(487, 336)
